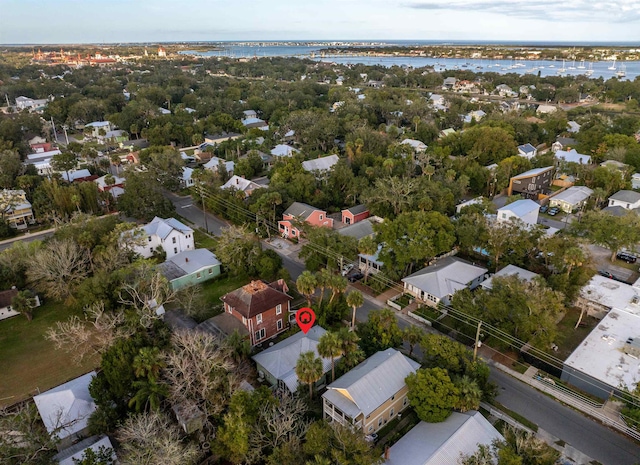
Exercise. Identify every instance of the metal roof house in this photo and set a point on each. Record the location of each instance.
(525, 210)
(278, 363)
(629, 200)
(527, 151)
(417, 145)
(372, 393)
(215, 162)
(65, 409)
(571, 199)
(572, 156)
(438, 282)
(170, 234)
(510, 270)
(190, 267)
(241, 184)
(320, 165)
(443, 443)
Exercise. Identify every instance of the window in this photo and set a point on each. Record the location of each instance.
(404, 402)
(210, 270)
(174, 240)
(244, 321)
(198, 275)
(260, 334)
(278, 309)
(379, 422)
(321, 217)
(370, 428)
(393, 397)
(149, 238)
(259, 318)
(279, 325)
(391, 413)
(175, 250)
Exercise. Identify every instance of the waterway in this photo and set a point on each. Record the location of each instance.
(542, 67)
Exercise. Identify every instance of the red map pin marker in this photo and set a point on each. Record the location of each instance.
(305, 318)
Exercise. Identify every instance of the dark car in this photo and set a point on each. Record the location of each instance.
(626, 257)
(544, 208)
(606, 274)
(357, 276)
(553, 211)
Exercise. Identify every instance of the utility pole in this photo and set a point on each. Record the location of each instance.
(477, 343)
(204, 211)
(65, 133)
(55, 134)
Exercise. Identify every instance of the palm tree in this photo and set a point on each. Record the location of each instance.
(412, 335)
(330, 346)
(323, 278)
(469, 394)
(338, 285)
(148, 363)
(573, 256)
(309, 369)
(306, 284)
(149, 393)
(428, 171)
(319, 460)
(352, 354)
(354, 300)
(24, 302)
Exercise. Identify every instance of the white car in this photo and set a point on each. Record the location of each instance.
(346, 269)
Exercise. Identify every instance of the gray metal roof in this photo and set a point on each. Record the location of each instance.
(626, 196)
(320, 164)
(358, 230)
(445, 277)
(443, 443)
(573, 195)
(534, 172)
(521, 207)
(300, 209)
(510, 270)
(357, 209)
(371, 383)
(280, 360)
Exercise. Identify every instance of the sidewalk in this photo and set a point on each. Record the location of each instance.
(28, 235)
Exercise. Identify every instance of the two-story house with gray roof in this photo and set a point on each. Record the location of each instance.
(372, 393)
(169, 234)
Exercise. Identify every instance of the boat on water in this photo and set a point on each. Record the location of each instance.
(581, 65)
(589, 72)
(563, 69)
(622, 72)
(573, 66)
(552, 66)
(613, 65)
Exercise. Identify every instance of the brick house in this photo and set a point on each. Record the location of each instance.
(262, 308)
(301, 212)
(354, 214)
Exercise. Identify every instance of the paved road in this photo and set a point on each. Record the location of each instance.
(586, 435)
(185, 207)
(26, 238)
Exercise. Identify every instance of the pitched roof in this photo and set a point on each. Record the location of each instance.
(370, 384)
(320, 164)
(572, 156)
(215, 162)
(7, 296)
(280, 360)
(357, 209)
(256, 297)
(163, 227)
(626, 196)
(573, 195)
(300, 210)
(526, 148)
(77, 451)
(510, 270)
(521, 207)
(443, 443)
(283, 150)
(416, 144)
(358, 230)
(187, 262)
(102, 184)
(69, 404)
(445, 277)
(241, 184)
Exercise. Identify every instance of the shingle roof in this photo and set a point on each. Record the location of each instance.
(626, 196)
(187, 262)
(300, 210)
(6, 297)
(256, 297)
(241, 184)
(357, 209)
(280, 360)
(358, 230)
(445, 277)
(371, 383)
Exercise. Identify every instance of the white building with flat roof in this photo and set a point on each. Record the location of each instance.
(525, 210)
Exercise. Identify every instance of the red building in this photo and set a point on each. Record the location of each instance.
(354, 214)
(262, 308)
(301, 212)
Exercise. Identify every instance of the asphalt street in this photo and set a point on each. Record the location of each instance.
(586, 435)
(186, 208)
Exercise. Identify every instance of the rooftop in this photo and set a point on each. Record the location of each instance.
(320, 164)
(445, 277)
(626, 196)
(573, 195)
(301, 210)
(370, 384)
(443, 443)
(358, 230)
(187, 262)
(533, 172)
(611, 294)
(521, 208)
(510, 270)
(163, 227)
(257, 297)
(572, 156)
(601, 354)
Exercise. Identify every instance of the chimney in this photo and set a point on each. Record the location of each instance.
(186, 259)
(237, 181)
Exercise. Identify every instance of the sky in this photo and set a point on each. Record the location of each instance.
(113, 21)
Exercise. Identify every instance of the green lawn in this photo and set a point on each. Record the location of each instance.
(28, 361)
(213, 290)
(203, 241)
(571, 338)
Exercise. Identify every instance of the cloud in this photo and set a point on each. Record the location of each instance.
(613, 11)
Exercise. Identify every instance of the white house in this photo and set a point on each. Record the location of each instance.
(445, 442)
(241, 184)
(98, 126)
(635, 181)
(571, 199)
(283, 150)
(26, 103)
(41, 161)
(320, 166)
(438, 282)
(417, 145)
(215, 163)
(510, 270)
(72, 455)
(546, 109)
(187, 177)
(65, 409)
(629, 200)
(250, 114)
(169, 234)
(572, 156)
(573, 127)
(527, 151)
(526, 210)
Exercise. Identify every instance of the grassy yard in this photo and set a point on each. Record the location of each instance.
(203, 241)
(215, 289)
(571, 338)
(28, 361)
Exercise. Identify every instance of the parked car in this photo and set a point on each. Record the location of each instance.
(553, 211)
(626, 257)
(346, 269)
(353, 277)
(544, 208)
(605, 273)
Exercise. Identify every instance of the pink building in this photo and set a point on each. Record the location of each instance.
(301, 212)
